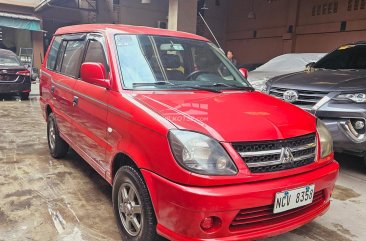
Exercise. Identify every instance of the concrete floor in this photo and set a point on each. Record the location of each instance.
(46, 199)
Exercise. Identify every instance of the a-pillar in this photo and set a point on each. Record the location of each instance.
(183, 15)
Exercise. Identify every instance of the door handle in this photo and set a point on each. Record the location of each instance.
(75, 101)
(53, 89)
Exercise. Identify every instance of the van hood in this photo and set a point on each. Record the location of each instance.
(230, 116)
(322, 80)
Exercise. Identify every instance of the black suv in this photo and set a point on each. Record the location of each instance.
(333, 89)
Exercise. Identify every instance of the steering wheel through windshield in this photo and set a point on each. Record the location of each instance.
(195, 74)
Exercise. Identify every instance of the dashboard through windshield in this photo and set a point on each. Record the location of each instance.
(160, 62)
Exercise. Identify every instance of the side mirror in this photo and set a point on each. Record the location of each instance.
(244, 72)
(94, 73)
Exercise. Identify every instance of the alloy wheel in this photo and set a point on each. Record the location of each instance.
(130, 210)
(52, 135)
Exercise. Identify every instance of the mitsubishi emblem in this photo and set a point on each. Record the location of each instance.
(286, 155)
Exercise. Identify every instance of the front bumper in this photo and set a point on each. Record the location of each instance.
(336, 116)
(342, 138)
(181, 209)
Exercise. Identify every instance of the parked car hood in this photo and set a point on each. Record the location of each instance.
(322, 80)
(230, 116)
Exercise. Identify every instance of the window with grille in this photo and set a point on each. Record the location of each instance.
(362, 4)
(354, 5)
(327, 7)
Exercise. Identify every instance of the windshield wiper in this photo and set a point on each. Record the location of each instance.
(152, 84)
(165, 83)
(197, 87)
(233, 86)
(348, 69)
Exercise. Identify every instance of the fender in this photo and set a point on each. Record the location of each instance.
(145, 156)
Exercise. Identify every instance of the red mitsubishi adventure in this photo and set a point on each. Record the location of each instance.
(192, 151)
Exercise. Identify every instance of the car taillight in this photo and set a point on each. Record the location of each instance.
(23, 72)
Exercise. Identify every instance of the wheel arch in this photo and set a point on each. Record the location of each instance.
(48, 111)
(122, 159)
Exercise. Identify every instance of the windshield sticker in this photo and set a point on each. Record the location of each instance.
(171, 47)
(124, 40)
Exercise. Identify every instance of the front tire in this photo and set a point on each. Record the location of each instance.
(57, 146)
(132, 206)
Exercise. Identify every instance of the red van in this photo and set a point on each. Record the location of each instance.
(192, 151)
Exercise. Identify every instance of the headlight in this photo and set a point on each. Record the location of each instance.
(356, 97)
(200, 154)
(326, 140)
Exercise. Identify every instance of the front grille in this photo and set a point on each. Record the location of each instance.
(263, 217)
(271, 156)
(306, 99)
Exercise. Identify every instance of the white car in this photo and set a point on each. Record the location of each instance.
(283, 64)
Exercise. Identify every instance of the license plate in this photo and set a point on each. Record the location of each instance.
(294, 198)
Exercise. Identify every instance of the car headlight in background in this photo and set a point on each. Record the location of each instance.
(356, 97)
(326, 140)
(200, 154)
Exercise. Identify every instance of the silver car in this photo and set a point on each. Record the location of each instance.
(283, 64)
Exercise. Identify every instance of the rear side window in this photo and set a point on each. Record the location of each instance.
(68, 57)
(71, 62)
(51, 61)
(60, 56)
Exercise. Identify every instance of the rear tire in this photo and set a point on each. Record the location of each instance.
(132, 206)
(57, 146)
(24, 95)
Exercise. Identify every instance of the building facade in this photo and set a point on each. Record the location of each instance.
(21, 30)
(255, 30)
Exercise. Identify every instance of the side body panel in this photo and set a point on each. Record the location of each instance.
(62, 101)
(90, 120)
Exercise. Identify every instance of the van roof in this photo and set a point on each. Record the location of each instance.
(127, 29)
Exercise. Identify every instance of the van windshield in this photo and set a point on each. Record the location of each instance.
(158, 62)
(347, 57)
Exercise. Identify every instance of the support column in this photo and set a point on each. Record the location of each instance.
(289, 38)
(37, 45)
(183, 15)
(104, 11)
